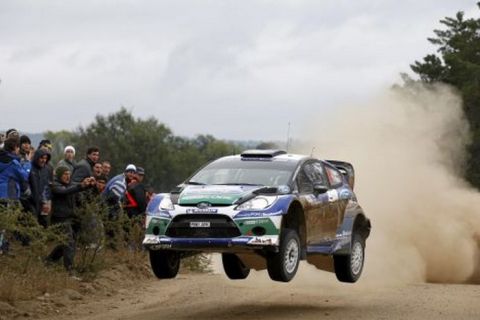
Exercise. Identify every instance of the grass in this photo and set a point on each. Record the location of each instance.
(25, 276)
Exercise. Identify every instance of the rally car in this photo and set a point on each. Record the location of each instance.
(262, 209)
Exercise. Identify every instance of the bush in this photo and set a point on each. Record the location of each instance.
(101, 244)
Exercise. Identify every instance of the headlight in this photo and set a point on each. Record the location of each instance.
(166, 204)
(257, 203)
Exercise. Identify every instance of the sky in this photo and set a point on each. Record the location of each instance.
(240, 70)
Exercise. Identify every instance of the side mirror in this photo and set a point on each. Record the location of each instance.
(320, 187)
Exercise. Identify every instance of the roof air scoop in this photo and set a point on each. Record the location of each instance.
(266, 154)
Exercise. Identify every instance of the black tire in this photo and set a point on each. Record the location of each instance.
(348, 268)
(234, 267)
(283, 265)
(165, 263)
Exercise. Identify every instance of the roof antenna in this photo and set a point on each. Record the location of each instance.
(311, 154)
(288, 136)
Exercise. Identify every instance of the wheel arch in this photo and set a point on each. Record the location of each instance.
(295, 219)
(354, 221)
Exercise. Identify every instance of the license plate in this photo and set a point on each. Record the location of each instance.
(200, 224)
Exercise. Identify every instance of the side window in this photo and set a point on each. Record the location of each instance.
(319, 173)
(334, 176)
(303, 181)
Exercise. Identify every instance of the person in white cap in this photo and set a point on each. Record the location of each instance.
(69, 159)
(115, 190)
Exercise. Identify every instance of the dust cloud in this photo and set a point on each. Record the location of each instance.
(408, 149)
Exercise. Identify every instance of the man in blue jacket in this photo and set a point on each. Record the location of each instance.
(13, 177)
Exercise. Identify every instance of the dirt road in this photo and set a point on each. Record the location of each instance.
(311, 295)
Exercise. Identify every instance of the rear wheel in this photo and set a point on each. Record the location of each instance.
(165, 263)
(234, 267)
(348, 268)
(283, 265)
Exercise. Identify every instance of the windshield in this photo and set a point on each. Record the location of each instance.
(234, 171)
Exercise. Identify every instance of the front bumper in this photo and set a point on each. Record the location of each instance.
(242, 243)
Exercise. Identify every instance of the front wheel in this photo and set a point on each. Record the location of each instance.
(348, 268)
(283, 265)
(165, 263)
(234, 267)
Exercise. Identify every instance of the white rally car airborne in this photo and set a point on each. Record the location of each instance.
(263, 209)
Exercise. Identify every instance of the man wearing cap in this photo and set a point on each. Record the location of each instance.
(84, 167)
(135, 196)
(69, 158)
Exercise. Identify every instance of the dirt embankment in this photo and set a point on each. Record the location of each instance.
(313, 295)
(110, 283)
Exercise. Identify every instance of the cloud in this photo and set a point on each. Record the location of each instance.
(233, 69)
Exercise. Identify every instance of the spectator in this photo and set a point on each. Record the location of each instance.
(47, 146)
(150, 193)
(63, 203)
(13, 178)
(106, 167)
(69, 159)
(84, 168)
(11, 133)
(97, 170)
(115, 190)
(130, 174)
(136, 195)
(101, 182)
(40, 185)
(25, 153)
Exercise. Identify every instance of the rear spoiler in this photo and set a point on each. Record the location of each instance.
(346, 169)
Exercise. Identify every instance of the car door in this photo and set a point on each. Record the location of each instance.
(339, 197)
(315, 205)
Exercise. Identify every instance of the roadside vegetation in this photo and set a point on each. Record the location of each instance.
(25, 274)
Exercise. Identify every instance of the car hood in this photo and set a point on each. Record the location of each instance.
(213, 194)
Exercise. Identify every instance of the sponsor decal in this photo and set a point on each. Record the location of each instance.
(332, 195)
(150, 239)
(262, 241)
(260, 221)
(209, 197)
(310, 198)
(344, 234)
(254, 214)
(196, 210)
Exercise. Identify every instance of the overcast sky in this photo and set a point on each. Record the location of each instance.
(234, 69)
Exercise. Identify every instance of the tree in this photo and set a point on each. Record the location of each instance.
(457, 63)
(124, 139)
